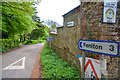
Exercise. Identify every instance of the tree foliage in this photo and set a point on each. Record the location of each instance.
(35, 34)
(16, 18)
(42, 31)
(19, 20)
(52, 24)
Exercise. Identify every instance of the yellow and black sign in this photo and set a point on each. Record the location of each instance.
(109, 14)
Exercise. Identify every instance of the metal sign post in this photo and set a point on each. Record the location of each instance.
(50, 45)
(83, 65)
(104, 73)
(50, 41)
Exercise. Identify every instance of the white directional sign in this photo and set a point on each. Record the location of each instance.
(71, 23)
(103, 47)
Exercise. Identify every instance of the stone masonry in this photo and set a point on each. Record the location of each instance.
(88, 19)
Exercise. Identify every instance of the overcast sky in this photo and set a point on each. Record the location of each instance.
(54, 9)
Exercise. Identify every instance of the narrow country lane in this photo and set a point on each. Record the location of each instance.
(20, 63)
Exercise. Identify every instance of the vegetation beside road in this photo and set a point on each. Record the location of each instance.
(31, 42)
(20, 24)
(54, 67)
(8, 44)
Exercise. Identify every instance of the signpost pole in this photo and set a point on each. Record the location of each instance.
(101, 65)
(102, 68)
(50, 45)
(50, 41)
(83, 65)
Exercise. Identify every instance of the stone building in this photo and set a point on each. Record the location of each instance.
(86, 22)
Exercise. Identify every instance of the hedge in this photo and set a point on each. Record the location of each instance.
(8, 44)
(30, 42)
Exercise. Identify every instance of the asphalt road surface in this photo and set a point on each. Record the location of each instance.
(20, 63)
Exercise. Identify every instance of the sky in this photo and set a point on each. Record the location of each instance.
(54, 9)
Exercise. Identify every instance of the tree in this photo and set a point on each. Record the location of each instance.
(52, 24)
(16, 19)
(37, 33)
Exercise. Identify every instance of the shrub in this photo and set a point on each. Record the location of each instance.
(44, 38)
(8, 44)
(29, 42)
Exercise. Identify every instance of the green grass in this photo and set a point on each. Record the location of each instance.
(54, 67)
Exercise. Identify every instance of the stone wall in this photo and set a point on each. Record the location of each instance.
(66, 40)
(88, 25)
(94, 29)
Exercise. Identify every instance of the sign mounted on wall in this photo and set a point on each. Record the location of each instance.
(71, 23)
(110, 8)
(103, 47)
(92, 68)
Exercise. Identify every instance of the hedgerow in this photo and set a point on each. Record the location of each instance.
(30, 42)
(8, 44)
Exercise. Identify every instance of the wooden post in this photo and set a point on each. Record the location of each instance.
(83, 65)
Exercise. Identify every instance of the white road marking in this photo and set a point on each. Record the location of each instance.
(11, 67)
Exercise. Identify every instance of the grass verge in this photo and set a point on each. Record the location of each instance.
(54, 67)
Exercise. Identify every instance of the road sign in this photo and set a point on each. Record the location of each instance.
(102, 47)
(71, 23)
(110, 9)
(50, 39)
(92, 68)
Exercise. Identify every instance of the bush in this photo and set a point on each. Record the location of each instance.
(44, 38)
(8, 44)
(54, 67)
(30, 42)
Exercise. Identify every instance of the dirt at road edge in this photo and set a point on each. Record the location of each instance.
(37, 71)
